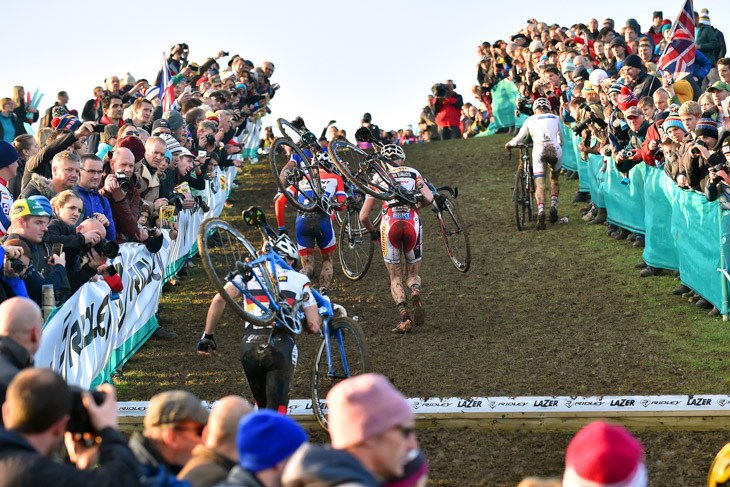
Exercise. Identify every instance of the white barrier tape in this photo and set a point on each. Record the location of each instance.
(525, 405)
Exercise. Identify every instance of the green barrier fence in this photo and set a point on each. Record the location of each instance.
(625, 202)
(660, 250)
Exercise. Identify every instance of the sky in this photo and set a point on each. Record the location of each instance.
(335, 60)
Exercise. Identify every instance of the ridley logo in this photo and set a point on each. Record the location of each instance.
(721, 402)
(645, 402)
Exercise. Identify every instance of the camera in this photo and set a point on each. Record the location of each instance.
(176, 200)
(695, 151)
(440, 90)
(80, 422)
(194, 68)
(200, 201)
(17, 265)
(225, 53)
(104, 247)
(210, 139)
(124, 182)
(581, 126)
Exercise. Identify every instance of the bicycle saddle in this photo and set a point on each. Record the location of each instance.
(254, 216)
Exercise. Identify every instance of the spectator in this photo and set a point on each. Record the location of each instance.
(65, 171)
(266, 441)
(723, 69)
(371, 426)
(92, 108)
(36, 413)
(218, 454)
(29, 223)
(655, 31)
(25, 114)
(427, 121)
(107, 140)
(27, 147)
(124, 202)
(173, 426)
(111, 107)
(61, 101)
(603, 455)
(155, 149)
(95, 205)
(8, 170)
(58, 141)
(661, 99)
(11, 279)
(447, 107)
(143, 110)
(705, 39)
(637, 79)
(10, 125)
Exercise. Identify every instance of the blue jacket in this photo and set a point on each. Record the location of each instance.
(702, 65)
(96, 203)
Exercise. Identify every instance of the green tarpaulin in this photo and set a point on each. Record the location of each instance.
(660, 249)
(625, 202)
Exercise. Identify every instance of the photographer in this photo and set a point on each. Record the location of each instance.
(120, 188)
(36, 413)
(719, 181)
(15, 258)
(699, 156)
(447, 107)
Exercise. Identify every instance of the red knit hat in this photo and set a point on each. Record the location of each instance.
(603, 454)
(135, 145)
(626, 99)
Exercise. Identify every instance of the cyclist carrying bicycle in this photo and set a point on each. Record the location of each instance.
(401, 232)
(547, 138)
(314, 228)
(269, 367)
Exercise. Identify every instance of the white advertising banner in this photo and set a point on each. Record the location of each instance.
(80, 338)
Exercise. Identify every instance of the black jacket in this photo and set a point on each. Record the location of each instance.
(21, 465)
(17, 123)
(13, 359)
(41, 162)
(74, 247)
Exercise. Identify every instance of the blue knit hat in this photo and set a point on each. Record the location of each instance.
(8, 154)
(265, 438)
(673, 120)
(707, 126)
(43, 201)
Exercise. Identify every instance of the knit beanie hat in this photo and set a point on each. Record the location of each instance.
(8, 154)
(673, 120)
(135, 145)
(110, 132)
(707, 126)
(265, 438)
(615, 88)
(603, 454)
(174, 119)
(626, 99)
(362, 407)
(172, 144)
(705, 17)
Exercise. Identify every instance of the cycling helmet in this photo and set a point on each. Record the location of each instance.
(542, 103)
(323, 157)
(286, 249)
(394, 152)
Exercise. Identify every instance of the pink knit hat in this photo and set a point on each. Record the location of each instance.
(603, 454)
(362, 407)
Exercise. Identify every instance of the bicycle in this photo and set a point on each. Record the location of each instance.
(452, 226)
(524, 190)
(341, 352)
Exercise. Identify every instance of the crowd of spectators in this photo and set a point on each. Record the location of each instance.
(80, 186)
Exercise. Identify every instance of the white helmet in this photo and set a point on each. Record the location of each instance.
(394, 152)
(597, 75)
(542, 103)
(286, 249)
(323, 157)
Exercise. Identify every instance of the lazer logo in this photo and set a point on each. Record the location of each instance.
(546, 403)
(622, 403)
(698, 401)
(469, 404)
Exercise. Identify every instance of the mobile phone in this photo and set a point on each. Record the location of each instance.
(188, 89)
(202, 153)
(57, 248)
(99, 127)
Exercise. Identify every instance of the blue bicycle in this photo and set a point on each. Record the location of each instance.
(229, 257)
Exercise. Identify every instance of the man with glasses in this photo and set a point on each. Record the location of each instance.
(173, 427)
(155, 150)
(96, 205)
(371, 426)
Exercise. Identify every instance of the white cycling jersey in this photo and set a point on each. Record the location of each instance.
(544, 128)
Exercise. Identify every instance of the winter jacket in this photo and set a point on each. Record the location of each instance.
(154, 471)
(13, 359)
(448, 110)
(206, 468)
(17, 125)
(239, 477)
(96, 203)
(321, 466)
(22, 113)
(645, 85)
(38, 185)
(706, 41)
(22, 466)
(125, 212)
(73, 246)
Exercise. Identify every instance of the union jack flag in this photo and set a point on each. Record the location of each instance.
(679, 55)
(167, 90)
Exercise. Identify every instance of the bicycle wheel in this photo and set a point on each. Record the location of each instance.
(221, 247)
(520, 197)
(355, 248)
(349, 356)
(362, 170)
(303, 176)
(288, 131)
(530, 196)
(456, 235)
